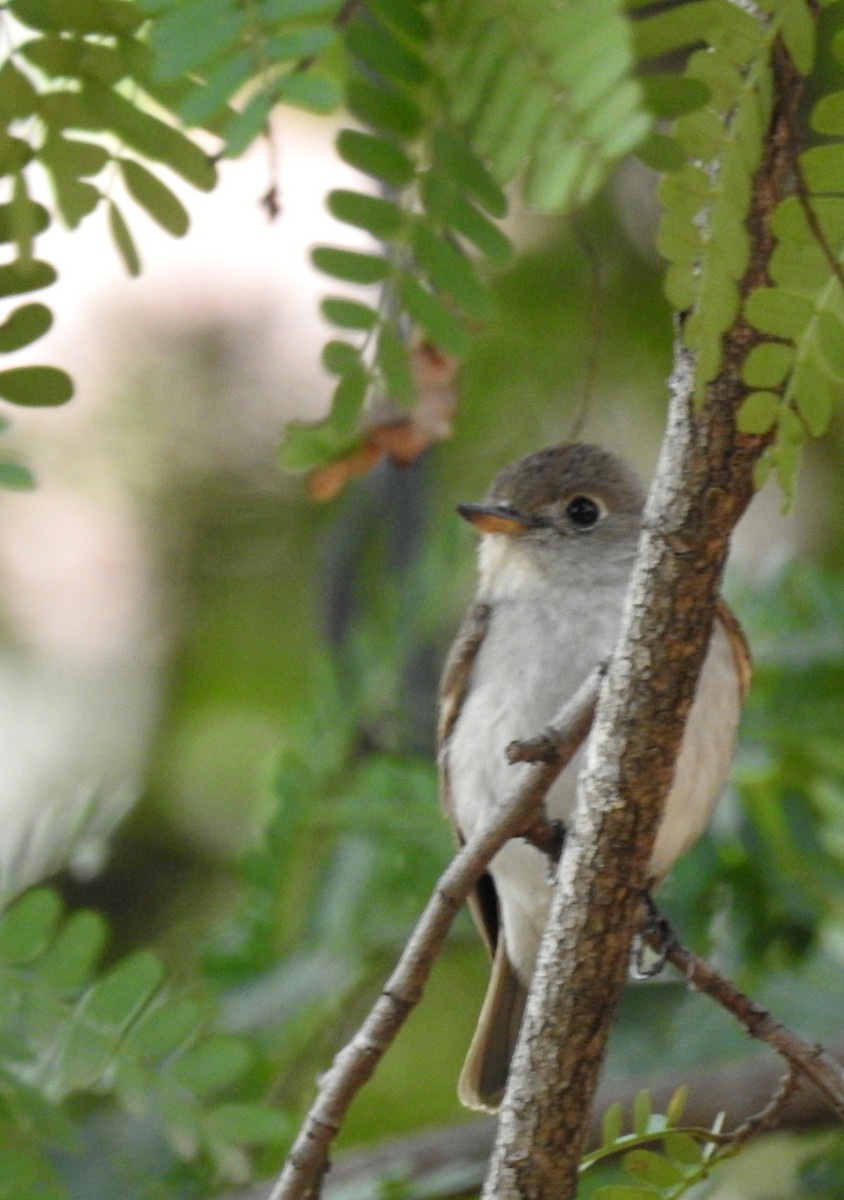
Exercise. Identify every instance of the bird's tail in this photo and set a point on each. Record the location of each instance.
(484, 1075)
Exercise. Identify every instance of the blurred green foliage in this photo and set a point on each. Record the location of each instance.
(293, 769)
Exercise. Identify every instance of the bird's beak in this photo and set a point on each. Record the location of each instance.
(495, 518)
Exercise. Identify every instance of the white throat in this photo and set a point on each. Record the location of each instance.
(506, 569)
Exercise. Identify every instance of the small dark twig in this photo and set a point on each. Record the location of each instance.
(806, 1059)
(768, 1116)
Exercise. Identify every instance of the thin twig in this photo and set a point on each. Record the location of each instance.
(768, 1116)
(808, 1059)
(307, 1162)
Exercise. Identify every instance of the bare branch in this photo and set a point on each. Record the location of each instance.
(307, 1162)
(805, 1058)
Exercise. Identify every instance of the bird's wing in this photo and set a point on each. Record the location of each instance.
(457, 674)
(738, 644)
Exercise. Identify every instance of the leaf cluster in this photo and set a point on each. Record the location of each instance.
(78, 99)
(685, 1157)
(70, 1028)
(227, 63)
(455, 102)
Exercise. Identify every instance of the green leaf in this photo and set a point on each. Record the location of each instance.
(247, 1124)
(823, 168)
(176, 38)
(70, 961)
(16, 279)
(339, 358)
(79, 16)
(668, 30)
(220, 85)
(642, 1112)
(406, 16)
(451, 273)
(306, 446)
(759, 412)
(348, 314)
(828, 114)
(830, 339)
(797, 26)
(448, 206)
(16, 476)
(123, 239)
(652, 1168)
(662, 153)
(24, 219)
(76, 58)
(682, 1148)
(116, 999)
(25, 325)
(151, 137)
(73, 156)
(612, 1124)
(164, 1027)
(391, 356)
(314, 93)
(384, 110)
(676, 1105)
(352, 266)
(430, 314)
(15, 154)
(18, 98)
(75, 198)
(305, 42)
(813, 394)
(346, 404)
(381, 218)
(293, 10)
(28, 927)
(35, 387)
(382, 53)
(213, 1065)
(777, 311)
(375, 157)
(248, 124)
(162, 205)
(466, 171)
(768, 364)
(669, 96)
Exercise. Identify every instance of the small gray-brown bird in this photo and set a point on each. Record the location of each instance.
(559, 531)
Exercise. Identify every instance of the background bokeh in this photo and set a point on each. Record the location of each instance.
(193, 652)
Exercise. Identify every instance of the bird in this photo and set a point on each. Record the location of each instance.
(559, 531)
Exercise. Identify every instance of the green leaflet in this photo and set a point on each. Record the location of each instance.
(548, 90)
(705, 201)
(35, 387)
(26, 324)
(217, 53)
(152, 195)
(68, 1029)
(433, 223)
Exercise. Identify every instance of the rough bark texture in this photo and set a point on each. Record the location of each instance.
(702, 486)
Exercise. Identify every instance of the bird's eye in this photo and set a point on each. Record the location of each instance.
(583, 511)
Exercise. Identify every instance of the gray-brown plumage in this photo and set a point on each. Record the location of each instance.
(559, 531)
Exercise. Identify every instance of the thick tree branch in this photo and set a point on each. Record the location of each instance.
(702, 486)
(307, 1162)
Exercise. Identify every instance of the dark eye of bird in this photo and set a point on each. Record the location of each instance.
(583, 511)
